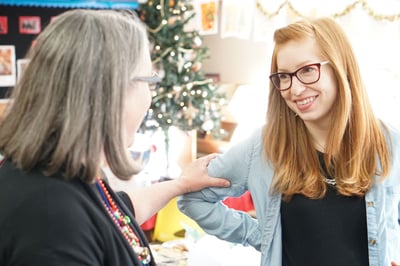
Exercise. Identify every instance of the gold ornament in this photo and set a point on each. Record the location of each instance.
(196, 66)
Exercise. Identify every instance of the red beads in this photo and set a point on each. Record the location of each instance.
(123, 222)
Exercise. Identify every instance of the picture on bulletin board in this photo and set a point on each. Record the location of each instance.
(29, 25)
(52, 18)
(7, 65)
(209, 17)
(21, 66)
(3, 25)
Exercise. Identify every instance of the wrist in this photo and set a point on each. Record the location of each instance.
(181, 185)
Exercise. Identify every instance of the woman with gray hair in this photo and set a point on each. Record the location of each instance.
(76, 109)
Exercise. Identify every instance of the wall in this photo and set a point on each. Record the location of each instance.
(22, 42)
(243, 66)
(236, 60)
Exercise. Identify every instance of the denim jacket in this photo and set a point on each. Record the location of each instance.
(244, 166)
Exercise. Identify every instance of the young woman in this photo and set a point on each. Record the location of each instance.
(324, 172)
(75, 110)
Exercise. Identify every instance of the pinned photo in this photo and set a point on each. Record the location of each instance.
(3, 25)
(29, 25)
(7, 65)
(209, 17)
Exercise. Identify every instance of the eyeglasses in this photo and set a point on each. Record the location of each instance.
(154, 81)
(307, 74)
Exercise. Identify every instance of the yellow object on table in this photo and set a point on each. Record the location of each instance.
(171, 223)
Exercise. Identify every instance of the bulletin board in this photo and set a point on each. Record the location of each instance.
(20, 23)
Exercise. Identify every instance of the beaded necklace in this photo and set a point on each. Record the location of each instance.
(123, 222)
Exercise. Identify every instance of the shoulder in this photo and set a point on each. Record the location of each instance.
(392, 135)
(53, 204)
(50, 220)
(247, 144)
(238, 160)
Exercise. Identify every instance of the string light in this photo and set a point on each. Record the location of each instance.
(180, 57)
(348, 9)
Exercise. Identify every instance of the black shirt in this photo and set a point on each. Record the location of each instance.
(46, 221)
(331, 231)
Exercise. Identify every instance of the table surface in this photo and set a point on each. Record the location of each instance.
(169, 256)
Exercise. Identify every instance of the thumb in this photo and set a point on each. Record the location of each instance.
(219, 182)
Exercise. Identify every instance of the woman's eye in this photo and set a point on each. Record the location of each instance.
(284, 76)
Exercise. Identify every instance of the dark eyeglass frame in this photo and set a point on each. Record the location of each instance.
(291, 74)
(154, 81)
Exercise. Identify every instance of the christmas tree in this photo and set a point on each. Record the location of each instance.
(186, 98)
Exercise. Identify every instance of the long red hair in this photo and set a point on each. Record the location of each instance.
(356, 148)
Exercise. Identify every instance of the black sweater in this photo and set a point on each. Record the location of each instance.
(46, 221)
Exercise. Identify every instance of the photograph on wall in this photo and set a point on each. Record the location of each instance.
(7, 65)
(29, 25)
(236, 19)
(208, 19)
(3, 25)
(229, 16)
(21, 66)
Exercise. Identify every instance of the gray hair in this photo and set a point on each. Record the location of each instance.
(67, 108)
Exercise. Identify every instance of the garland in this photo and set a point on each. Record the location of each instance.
(348, 9)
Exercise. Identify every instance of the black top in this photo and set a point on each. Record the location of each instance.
(330, 231)
(48, 222)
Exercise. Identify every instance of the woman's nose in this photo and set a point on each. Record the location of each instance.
(297, 87)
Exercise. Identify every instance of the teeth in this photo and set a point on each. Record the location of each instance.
(305, 101)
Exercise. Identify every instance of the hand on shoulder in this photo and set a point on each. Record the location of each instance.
(195, 176)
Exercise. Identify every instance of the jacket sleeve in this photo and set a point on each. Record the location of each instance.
(206, 206)
(393, 136)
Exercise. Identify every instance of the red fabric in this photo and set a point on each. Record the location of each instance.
(149, 224)
(242, 203)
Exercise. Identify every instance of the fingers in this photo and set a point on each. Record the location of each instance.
(220, 182)
(208, 158)
(394, 264)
